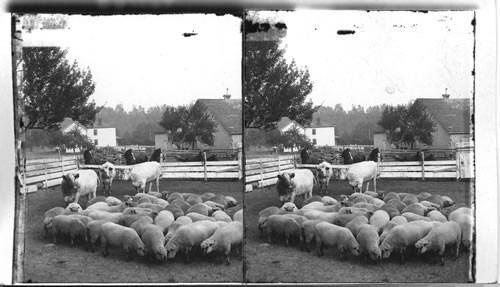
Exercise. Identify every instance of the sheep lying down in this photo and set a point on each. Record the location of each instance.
(189, 236)
(439, 237)
(224, 239)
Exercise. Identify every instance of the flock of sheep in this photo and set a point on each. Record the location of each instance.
(158, 225)
(372, 224)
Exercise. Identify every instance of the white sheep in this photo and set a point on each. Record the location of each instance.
(289, 207)
(324, 216)
(359, 173)
(238, 216)
(199, 217)
(128, 219)
(220, 215)
(49, 216)
(330, 235)
(356, 223)
(68, 225)
(312, 205)
(231, 201)
(188, 236)
(200, 208)
(410, 216)
(93, 231)
(180, 221)
(404, 235)
(438, 238)
(224, 239)
(263, 216)
(102, 205)
(283, 226)
(164, 219)
(142, 173)
(409, 199)
(379, 219)
(328, 200)
(465, 222)
(111, 201)
(343, 219)
(74, 207)
(461, 210)
(308, 231)
(154, 242)
(417, 208)
(435, 215)
(125, 237)
(140, 224)
(368, 239)
(104, 215)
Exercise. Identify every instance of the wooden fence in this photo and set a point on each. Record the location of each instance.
(262, 172)
(45, 172)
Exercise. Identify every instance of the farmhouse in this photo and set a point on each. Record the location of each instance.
(101, 135)
(227, 113)
(453, 123)
(319, 133)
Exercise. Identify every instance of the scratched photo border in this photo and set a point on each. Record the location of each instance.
(484, 131)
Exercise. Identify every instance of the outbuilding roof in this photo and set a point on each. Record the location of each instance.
(454, 115)
(227, 112)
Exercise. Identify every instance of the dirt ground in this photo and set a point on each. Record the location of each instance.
(278, 263)
(46, 262)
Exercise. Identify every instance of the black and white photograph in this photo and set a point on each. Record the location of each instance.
(358, 145)
(132, 138)
(249, 143)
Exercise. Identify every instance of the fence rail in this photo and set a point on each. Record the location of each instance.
(45, 172)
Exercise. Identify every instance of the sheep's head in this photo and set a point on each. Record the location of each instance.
(355, 250)
(375, 254)
(208, 246)
(422, 245)
(139, 248)
(171, 251)
(161, 254)
(386, 250)
(289, 207)
(74, 207)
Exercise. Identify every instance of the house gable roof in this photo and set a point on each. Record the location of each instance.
(454, 115)
(226, 112)
(67, 122)
(285, 122)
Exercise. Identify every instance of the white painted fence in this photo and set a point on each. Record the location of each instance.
(45, 172)
(262, 172)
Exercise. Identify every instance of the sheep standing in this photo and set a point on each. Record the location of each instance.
(465, 222)
(308, 231)
(438, 238)
(264, 215)
(404, 235)
(330, 235)
(164, 219)
(188, 236)
(49, 216)
(154, 242)
(368, 240)
(182, 220)
(125, 237)
(68, 225)
(224, 239)
(379, 219)
(283, 226)
(359, 173)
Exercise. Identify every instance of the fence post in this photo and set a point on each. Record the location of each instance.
(457, 164)
(378, 165)
(261, 175)
(422, 165)
(205, 165)
(45, 170)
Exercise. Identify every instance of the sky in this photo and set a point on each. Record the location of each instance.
(393, 57)
(146, 60)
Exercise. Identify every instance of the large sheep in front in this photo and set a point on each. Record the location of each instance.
(359, 173)
(404, 235)
(283, 226)
(189, 236)
(112, 234)
(439, 237)
(107, 172)
(142, 173)
(83, 182)
(330, 235)
(70, 226)
(291, 184)
(324, 172)
(224, 239)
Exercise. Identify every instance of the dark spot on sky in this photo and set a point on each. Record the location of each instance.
(189, 34)
(345, 32)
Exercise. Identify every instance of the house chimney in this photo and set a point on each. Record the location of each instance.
(446, 95)
(226, 96)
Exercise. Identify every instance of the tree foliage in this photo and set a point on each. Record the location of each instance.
(54, 89)
(408, 124)
(189, 124)
(274, 88)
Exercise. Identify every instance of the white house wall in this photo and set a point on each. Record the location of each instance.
(324, 136)
(104, 137)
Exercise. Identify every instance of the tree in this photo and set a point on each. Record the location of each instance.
(72, 139)
(189, 124)
(54, 89)
(274, 88)
(407, 124)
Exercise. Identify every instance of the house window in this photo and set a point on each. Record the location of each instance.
(314, 132)
(96, 142)
(314, 141)
(95, 132)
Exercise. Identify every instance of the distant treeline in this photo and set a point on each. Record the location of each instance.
(355, 126)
